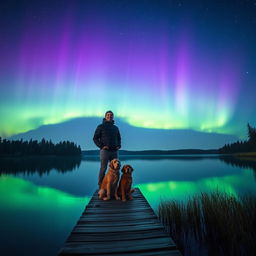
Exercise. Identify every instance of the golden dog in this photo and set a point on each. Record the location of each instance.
(109, 184)
(124, 189)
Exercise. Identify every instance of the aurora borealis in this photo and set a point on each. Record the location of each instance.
(156, 64)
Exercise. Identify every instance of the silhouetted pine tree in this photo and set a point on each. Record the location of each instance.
(251, 133)
(241, 146)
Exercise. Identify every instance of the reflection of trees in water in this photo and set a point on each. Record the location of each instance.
(41, 165)
(239, 162)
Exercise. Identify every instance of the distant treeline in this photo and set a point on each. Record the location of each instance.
(242, 146)
(34, 147)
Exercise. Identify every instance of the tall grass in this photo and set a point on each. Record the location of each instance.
(212, 224)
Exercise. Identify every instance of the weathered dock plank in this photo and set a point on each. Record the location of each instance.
(119, 228)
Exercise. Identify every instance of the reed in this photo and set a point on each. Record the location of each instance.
(212, 224)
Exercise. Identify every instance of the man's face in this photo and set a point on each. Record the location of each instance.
(109, 116)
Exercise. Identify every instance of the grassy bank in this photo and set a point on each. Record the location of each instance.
(212, 224)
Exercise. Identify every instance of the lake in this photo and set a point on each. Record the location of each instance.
(41, 199)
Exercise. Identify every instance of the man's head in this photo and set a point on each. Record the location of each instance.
(109, 115)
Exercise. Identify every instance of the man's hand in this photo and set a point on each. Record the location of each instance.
(105, 147)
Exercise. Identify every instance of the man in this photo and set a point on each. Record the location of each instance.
(107, 138)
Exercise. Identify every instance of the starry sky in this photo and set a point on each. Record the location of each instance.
(163, 64)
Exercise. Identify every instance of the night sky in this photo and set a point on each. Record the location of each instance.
(155, 64)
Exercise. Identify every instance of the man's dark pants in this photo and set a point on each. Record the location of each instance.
(105, 156)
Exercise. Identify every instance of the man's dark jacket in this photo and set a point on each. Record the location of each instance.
(107, 134)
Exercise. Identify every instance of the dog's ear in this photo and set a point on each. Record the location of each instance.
(123, 169)
(131, 169)
(111, 164)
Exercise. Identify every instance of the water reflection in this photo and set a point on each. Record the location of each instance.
(79, 178)
(35, 220)
(41, 165)
(240, 162)
(235, 184)
(47, 196)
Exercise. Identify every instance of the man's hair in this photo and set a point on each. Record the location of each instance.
(109, 111)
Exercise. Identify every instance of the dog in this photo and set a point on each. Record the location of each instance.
(109, 184)
(124, 189)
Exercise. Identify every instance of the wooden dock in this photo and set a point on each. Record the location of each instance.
(119, 228)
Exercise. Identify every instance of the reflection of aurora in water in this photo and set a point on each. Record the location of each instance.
(34, 213)
(25, 194)
(182, 190)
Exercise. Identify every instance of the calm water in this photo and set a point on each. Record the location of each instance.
(42, 199)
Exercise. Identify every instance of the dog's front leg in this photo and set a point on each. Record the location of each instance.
(116, 195)
(108, 197)
(101, 193)
(123, 194)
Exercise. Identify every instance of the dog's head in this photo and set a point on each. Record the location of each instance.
(127, 169)
(115, 164)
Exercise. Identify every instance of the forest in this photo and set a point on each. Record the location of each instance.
(248, 145)
(38, 148)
